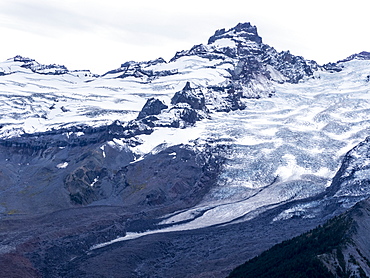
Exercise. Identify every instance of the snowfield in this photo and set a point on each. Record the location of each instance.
(286, 147)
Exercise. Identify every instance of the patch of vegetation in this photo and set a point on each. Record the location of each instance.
(298, 257)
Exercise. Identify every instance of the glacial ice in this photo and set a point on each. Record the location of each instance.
(283, 148)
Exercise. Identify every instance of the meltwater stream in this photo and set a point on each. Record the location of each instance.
(284, 148)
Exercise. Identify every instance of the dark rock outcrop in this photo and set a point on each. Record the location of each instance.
(36, 67)
(187, 107)
(252, 59)
(337, 67)
(191, 96)
(189, 104)
(243, 30)
(81, 135)
(141, 70)
(332, 67)
(364, 55)
(177, 176)
(152, 106)
(294, 68)
(22, 59)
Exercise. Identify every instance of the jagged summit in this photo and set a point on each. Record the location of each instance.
(234, 66)
(230, 142)
(255, 64)
(244, 30)
(33, 65)
(19, 58)
(338, 66)
(364, 55)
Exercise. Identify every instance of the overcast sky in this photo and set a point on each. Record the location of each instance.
(100, 35)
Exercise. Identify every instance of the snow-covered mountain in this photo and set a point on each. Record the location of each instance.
(227, 135)
(234, 64)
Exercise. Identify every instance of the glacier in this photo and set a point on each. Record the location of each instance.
(276, 135)
(284, 148)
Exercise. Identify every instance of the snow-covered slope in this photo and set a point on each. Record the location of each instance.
(289, 121)
(284, 148)
(234, 64)
(219, 135)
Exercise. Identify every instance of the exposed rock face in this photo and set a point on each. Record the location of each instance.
(162, 179)
(189, 104)
(193, 97)
(228, 98)
(337, 67)
(244, 30)
(77, 136)
(252, 59)
(198, 197)
(94, 168)
(294, 68)
(153, 106)
(364, 55)
(39, 68)
(188, 107)
(332, 67)
(84, 183)
(142, 70)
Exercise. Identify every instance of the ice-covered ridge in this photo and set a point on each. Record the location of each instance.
(37, 103)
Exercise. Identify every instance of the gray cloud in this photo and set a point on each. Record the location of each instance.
(45, 18)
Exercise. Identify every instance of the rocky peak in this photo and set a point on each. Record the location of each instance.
(337, 67)
(141, 70)
(20, 58)
(36, 67)
(193, 97)
(144, 63)
(242, 30)
(252, 60)
(153, 106)
(364, 55)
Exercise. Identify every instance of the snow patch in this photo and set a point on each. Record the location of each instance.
(103, 150)
(62, 165)
(95, 181)
(290, 170)
(169, 137)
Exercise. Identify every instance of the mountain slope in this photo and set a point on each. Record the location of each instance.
(234, 64)
(231, 144)
(339, 248)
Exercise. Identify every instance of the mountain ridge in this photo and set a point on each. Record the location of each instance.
(231, 144)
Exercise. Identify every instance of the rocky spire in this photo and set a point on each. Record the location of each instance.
(246, 30)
